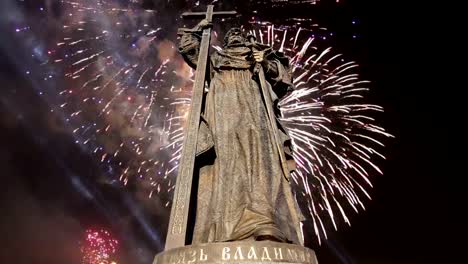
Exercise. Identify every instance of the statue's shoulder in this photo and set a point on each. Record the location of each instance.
(280, 56)
(271, 53)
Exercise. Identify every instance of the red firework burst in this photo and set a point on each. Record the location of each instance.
(98, 247)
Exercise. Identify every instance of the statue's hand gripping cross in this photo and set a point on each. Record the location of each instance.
(176, 234)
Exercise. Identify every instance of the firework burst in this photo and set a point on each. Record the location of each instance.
(333, 133)
(126, 93)
(98, 247)
(123, 91)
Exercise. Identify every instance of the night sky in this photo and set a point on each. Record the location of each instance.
(51, 190)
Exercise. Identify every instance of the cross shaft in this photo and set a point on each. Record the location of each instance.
(177, 232)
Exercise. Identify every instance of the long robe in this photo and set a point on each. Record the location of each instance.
(240, 193)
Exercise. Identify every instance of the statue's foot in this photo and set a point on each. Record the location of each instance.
(269, 234)
(268, 238)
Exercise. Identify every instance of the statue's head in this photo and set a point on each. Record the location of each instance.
(234, 37)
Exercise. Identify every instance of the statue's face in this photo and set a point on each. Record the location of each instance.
(234, 37)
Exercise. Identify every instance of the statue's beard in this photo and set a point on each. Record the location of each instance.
(235, 41)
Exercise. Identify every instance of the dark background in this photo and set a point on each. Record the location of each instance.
(414, 217)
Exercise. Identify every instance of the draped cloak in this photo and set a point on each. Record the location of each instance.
(240, 192)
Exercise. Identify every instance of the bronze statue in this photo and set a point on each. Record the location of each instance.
(243, 159)
(239, 153)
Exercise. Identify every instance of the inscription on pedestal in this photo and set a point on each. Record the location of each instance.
(238, 252)
(179, 208)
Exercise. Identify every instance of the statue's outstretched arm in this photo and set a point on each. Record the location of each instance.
(189, 44)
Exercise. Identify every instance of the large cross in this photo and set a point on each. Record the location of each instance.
(176, 234)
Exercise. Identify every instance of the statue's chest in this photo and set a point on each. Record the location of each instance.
(232, 60)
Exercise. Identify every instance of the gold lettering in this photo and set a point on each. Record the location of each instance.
(181, 259)
(238, 254)
(292, 254)
(252, 254)
(203, 257)
(226, 255)
(314, 258)
(308, 256)
(302, 256)
(278, 253)
(173, 259)
(178, 258)
(265, 255)
(193, 254)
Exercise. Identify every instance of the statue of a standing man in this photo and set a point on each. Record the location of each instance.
(241, 182)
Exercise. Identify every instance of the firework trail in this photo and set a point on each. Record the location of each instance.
(126, 93)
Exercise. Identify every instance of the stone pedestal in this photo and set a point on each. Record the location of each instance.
(239, 252)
